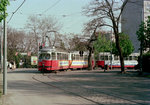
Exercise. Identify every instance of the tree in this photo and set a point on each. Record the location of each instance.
(91, 31)
(102, 44)
(109, 11)
(147, 33)
(15, 43)
(143, 34)
(42, 28)
(3, 5)
(76, 44)
(125, 44)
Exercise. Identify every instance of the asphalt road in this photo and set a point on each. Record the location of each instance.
(30, 87)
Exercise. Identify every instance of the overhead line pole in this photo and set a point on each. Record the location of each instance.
(5, 56)
(1, 48)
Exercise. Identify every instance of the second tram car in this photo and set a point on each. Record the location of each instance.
(51, 59)
(106, 58)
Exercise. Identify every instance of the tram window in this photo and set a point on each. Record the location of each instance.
(109, 58)
(106, 57)
(66, 56)
(41, 56)
(81, 57)
(125, 58)
(116, 58)
(44, 56)
(77, 57)
(101, 57)
(73, 56)
(62, 57)
(47, 56)
(130, 57)
(53, 56)
(135, 58)
(58, 56)
(85, 57)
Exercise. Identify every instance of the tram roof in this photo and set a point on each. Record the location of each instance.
(49, 49)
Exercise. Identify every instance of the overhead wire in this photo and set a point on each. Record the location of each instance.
(51, 6)
(16, 11)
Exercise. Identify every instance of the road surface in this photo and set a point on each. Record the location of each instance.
(30, 87)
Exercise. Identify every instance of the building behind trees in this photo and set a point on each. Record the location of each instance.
(134, 13)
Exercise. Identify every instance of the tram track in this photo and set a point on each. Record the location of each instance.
(66, 91)
(98, 93)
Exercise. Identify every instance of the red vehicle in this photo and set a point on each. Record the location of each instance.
(106, 58)
(51, 59)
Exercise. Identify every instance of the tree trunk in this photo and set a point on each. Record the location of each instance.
(90, 59)
(120, 51)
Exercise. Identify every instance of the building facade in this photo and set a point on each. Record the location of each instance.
(134, 13)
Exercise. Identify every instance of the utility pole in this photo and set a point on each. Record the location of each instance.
(5, 57)
(1, 48)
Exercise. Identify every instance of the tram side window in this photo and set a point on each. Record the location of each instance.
(73, 56)
(77, 57)
(135, 57)
(62, 56)
(53, 56)
(66, 56)
(130, 57)
(110, 57)
(81, 57)
(126, 58)
(106, 57)
(58, 56)
(116, 58)
(85, 57)
(101, 57)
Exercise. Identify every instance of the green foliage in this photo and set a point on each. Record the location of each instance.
(125, 44)
(27, 62)
(17, 60)
(140, 32)
(11, 56)
(146, 54)
(3, 5)
(147, 33)
(143, 34)
(146, 62)
(102, 45)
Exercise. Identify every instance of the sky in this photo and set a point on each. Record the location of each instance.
(67, 12)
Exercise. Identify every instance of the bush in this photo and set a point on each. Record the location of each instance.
(146, 62)
(27, 62)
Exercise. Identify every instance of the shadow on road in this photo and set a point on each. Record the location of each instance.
(24, 71)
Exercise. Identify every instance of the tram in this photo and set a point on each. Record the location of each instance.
(51, 59)
(106, 58)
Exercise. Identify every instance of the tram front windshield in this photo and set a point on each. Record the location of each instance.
(45, 56)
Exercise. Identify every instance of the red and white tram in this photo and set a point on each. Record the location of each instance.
(51, 59)
(106, 58)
